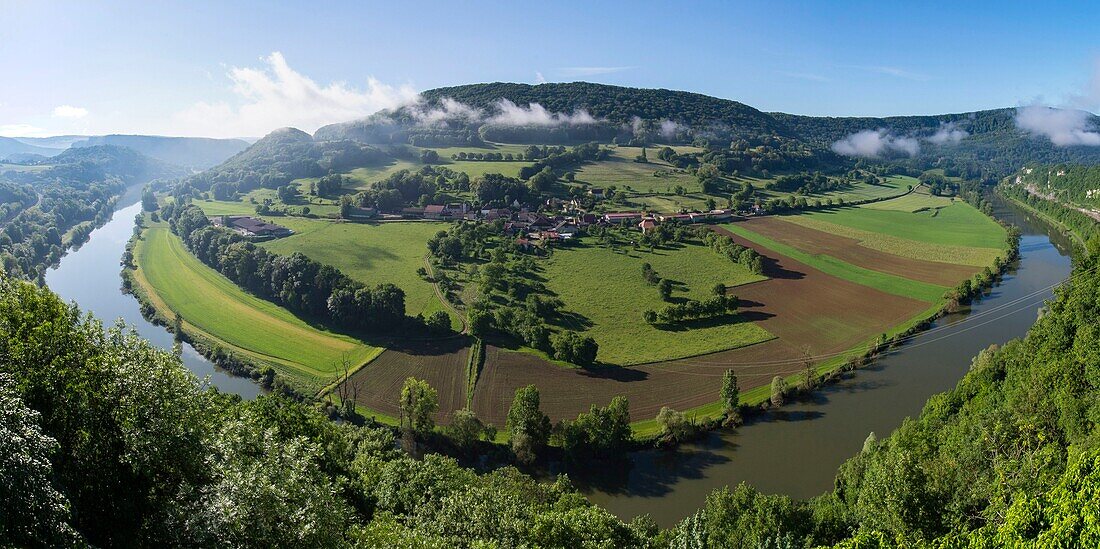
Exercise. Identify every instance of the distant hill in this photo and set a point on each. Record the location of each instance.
(190, 152)
(60, 142)
(10, 147)
(985, 144)
(284, 155)
(107, 161)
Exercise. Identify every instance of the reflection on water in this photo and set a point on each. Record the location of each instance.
(797, 450)
(90, 276)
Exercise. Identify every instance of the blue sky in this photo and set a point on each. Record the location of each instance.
(207, 68)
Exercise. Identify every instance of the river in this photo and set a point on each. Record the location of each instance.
(90, 275)
(797, 450)
(793, 451)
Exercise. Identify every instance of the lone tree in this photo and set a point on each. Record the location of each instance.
(528, 427)
(419, 402)
(731, 393)
(665, 287)
(779, 387)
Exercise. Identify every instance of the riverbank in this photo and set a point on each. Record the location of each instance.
(796, 449)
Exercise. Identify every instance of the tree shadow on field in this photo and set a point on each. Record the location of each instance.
(613, 373)
(429, 347)
(772, 269)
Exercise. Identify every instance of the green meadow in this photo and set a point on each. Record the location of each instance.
(606, 292)
(219, 309)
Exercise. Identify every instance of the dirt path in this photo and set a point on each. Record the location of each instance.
(444, 300)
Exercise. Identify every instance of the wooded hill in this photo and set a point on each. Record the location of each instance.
(635, 114)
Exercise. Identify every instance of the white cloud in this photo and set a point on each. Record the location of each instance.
(536, 115)
(539, 78)
(22, 130)
(669, 129)
(1068, 126)
(948, 133)
(276, 95)
(69, 111)
(872, 143)
(448, 109)
(1064, 127)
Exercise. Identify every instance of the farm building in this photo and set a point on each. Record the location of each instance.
(622, 217)
(250, 226)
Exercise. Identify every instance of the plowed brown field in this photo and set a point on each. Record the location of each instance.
(441, 363)
(848, 249)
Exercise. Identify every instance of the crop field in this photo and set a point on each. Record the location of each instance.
(821, 243)
(916, 201)
(889, 283)
(958, 224)
(442, 363)
(213, 304)
(605, 294)
(369, 253)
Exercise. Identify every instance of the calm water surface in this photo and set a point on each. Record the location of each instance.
(91, 276)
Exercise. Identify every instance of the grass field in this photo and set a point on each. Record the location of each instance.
(958, 224)
(606, 291)
(621, 171)
(213, 304)
(893, 186)
(369, 253)
(888, 283)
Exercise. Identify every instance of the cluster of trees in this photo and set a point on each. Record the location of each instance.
(109, 441)
(806, 183)
(1072, 184)
(440, 137)
(300, 284)
(558, 159)
(13, 198)
(737, 253)
(719, 305)
(330, 185)
(497, 189)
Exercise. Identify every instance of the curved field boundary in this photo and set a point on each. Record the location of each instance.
(846, 249)
(884, 282)
(925, 251)
(217, 307)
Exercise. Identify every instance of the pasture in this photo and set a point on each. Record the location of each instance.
(369, 253)
(605, 296)
(216, 307)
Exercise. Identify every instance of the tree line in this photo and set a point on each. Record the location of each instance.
(300, 284)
